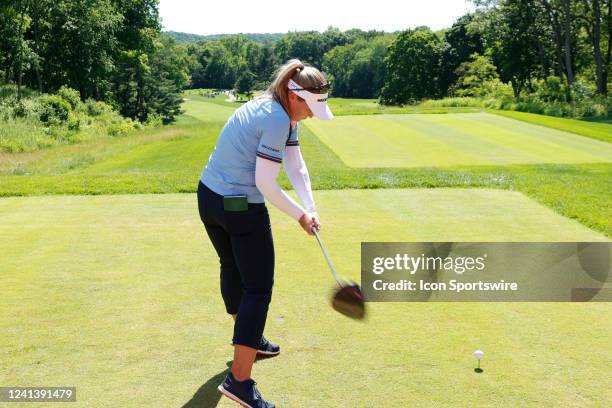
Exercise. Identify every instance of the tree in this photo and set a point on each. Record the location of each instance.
(21, 9)
(137, 38)
(368, 70)
(473, 76)
(567, 25)
(245, 82)
(106, 49)
(309, 46)
(168, 76)
(461, 41)
(81, 45)
(357, 70)
(38, 9)
(15, 53)
(140, 24)
(412, 67)
(219, 69)
(265, 65)
(511, 36)
(593, 19)
(9, 35)
(132, 68)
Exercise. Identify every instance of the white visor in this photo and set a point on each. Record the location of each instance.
(316, 102)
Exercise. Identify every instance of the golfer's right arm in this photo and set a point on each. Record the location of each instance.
(266, 173)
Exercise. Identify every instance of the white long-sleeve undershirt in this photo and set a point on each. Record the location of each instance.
(266, 173)
(298, 176)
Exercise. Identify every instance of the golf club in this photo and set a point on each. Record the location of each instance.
(348, 299)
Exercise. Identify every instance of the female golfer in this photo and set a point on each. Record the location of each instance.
(240, 172)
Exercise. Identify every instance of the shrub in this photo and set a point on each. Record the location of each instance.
(556, 109)
(581, 92)
(592, 107)
(454, 102)
(96, 108)
(26, 108)
(54, 109)
(154, 120)
(38, 122)
(497, 89)
(531, 104)
(492, 103)
(553, 89)
(74, 123)
(473, 75)
(121, 129)
(72, 96)
(10, 91)
(5, 111)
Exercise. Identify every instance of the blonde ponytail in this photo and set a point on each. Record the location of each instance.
(305, 76)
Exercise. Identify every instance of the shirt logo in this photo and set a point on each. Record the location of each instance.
(270, 148)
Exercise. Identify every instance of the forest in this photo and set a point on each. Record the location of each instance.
(544, 56)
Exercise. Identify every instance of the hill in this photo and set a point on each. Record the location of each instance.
(190, 38)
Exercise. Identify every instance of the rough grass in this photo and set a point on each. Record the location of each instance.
(23, 130)
(22, 134)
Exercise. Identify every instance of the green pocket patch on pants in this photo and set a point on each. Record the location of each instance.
(235, 203)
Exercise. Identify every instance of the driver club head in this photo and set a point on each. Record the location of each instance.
(348, 300)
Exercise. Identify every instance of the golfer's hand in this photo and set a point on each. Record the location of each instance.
(309, 221)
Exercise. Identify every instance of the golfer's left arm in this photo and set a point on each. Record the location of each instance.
(297, 172)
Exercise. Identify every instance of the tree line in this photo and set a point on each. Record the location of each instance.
(108, 50)
(239, 62)
(517, 43)
(114, 51)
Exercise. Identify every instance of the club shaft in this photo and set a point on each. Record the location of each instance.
(331, 267)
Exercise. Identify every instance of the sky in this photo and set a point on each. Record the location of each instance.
(276, 16)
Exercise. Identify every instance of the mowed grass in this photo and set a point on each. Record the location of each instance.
(596, 130)
(170, 159)
(353, 106)
(345, 106)
(418, 140)
(118, 296)
(206, 109)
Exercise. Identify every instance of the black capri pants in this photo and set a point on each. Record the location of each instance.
(243, 241)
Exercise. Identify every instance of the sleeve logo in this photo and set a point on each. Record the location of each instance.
(270, 148)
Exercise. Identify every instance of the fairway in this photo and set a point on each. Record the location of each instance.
(118, 296)
(205, 110)
(414, 140)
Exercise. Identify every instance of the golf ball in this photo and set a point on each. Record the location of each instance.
(478, 354)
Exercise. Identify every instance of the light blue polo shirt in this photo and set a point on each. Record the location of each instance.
(259, 128)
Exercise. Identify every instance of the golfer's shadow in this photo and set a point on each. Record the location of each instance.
(208, 396)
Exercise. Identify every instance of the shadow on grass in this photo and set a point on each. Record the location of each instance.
(207, 396)
(598, 119)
